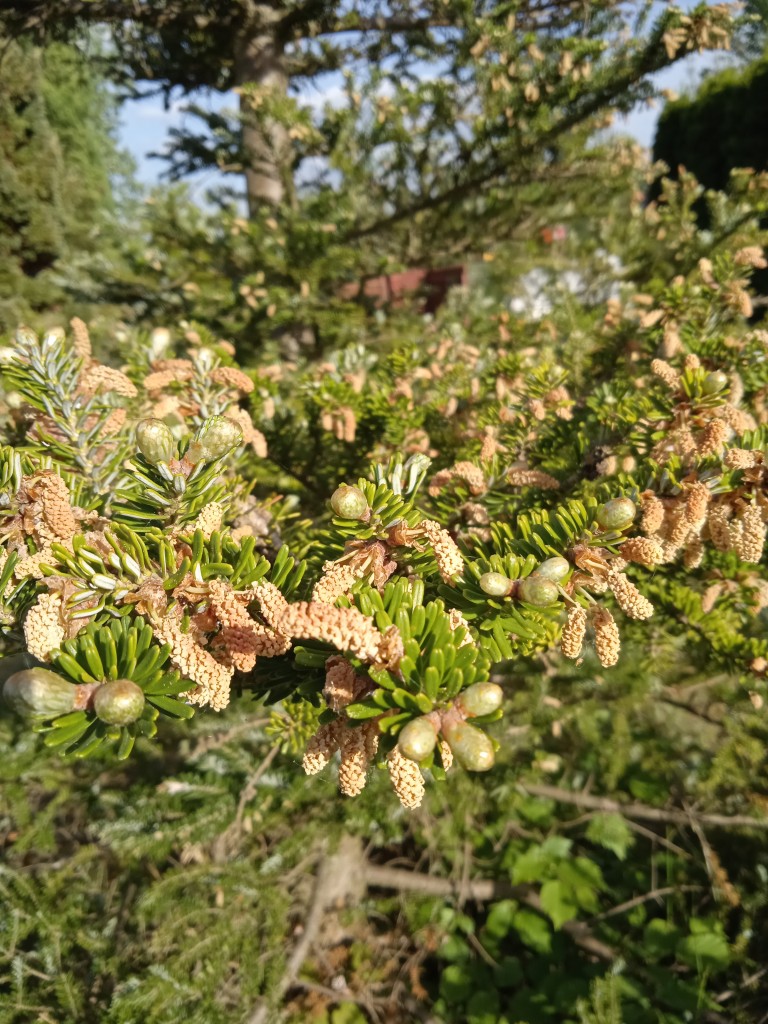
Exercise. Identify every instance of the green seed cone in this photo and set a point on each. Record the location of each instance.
(119, 703)
(417, 739)
(538, 591)
(471, 747)
(155, 441)
(554, 569)
(495, 584)
(39, 693)
(349, 502)
(215, 438)
(616, 514)
(714, 382)
(481, 699)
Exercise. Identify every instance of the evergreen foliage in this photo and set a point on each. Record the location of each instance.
(496, 574)
(719, 127)
(393, 174)
(57, 162)
(154, 534)
(559, 62)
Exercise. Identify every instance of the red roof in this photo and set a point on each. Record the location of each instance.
(395, 289)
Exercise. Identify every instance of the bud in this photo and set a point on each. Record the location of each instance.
(538, 590)
(415, 467)
(481, 699)
(206, 357)
(470, 746)
(39, 693)
(155, 441)
(349, 502)
(554, 569)
(159, 340)
(54, 336)
(616, 514)
(214, 439)
(119, 703)
(714, 382)
(417, 739)
(25, 336)
(495, 584)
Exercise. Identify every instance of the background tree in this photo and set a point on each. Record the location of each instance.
(458, 126)
(58, 158)
(718, 127)
(450, 105)
(611, 868)
(750, 40)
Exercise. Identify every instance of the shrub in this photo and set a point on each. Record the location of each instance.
(719, 127)
(364, 548)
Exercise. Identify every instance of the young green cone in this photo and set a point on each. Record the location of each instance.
(417, 739)
(119, 702)
(616, 514)
(217, 436)
(349, 502)
(155, 441)
(470, 746)
(39, 693)
(481, 699)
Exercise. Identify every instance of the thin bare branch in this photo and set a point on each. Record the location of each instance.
(655, 894)
(642, 811)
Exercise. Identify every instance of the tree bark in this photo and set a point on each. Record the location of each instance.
(260, 61)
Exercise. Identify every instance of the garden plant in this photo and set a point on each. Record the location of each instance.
(362, 665)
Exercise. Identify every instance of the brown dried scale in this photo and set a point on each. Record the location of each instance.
(751, 540)
(353, 768)
(628, 597)
(652, 514)
(607, 639)
(43, 626)
(697, 498)
(574, 630)
(406, 778)
(645, 550)
(322, 746)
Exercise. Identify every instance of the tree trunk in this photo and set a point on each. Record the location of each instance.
(259, 61)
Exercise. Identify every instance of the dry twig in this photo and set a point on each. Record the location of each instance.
(642, 811)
